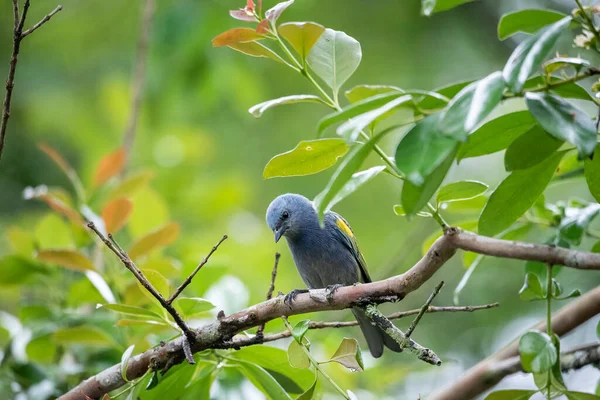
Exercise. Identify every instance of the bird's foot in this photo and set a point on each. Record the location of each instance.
(291, 296)
(330, 290)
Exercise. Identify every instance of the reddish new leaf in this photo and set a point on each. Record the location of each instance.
(242, 15)
(110, 166)
(263, 27)
(159, 238)
(60, 207)
(57, 158)
(236, 35)
(66, 258)
(116, 213)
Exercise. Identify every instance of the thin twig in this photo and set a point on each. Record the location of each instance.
(261, 328)
(138, 78)
(18, 36)
(188, 280)
(188, 334)
(423, 309)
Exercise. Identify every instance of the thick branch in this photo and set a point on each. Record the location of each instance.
(480, 377)
(18, 36)
(523, 251)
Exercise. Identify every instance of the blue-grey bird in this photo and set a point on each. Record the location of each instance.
(325, 257)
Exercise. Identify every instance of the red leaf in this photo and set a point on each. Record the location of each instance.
(116, 213)
(263, 27)
(250, 5)
(110, 166)
(242, 15)
(236, 35)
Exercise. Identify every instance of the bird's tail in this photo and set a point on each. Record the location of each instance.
(376, 338)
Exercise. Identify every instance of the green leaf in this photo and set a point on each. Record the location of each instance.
(354, 183)
(591, 170)
(21, 241)
(16, 270)
(496, 134)
(511, 395)
(572, 294)
(125, 361)
(275, 361)
(308, 157)
(258, 110)
(297, 356)
(347, 168)
(515, 195)
(414, 198)
(362, 92)
(572, 227)
(532, 289)
(300, 330)
(581, 396)
(557, 63)
(529, 149)
(528, 21)
(153, 381)
(399, 211)
(156, 279)
(471, 105)
(462, 190)
(530, 54)
(308, 395)
(192, 306)
(563, 120)
(423, 149)
(41, 349)
(429, 7)
(350, 130)
(83, 335)
(334, 58)
(357, 108)
(537, 352)
(263, 380)
(447, 92)
(570, 90)
(131, 310)
(301, 35)
(348, 354)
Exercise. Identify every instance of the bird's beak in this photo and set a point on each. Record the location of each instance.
(279, 233)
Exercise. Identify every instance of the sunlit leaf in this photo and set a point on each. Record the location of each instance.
(537, 352)
(462, 190)
(592, 174)
(83, 335)
(161, 237)
(301, 35)
(308, 157)
(116, 214)
(191, 306)
(236, 35)
(530, 54)
(563, 120)
(125, 362)
(515, 195)
(296, 356)
(334, 58)
(528, 21)
(496, 134)
(66, 258)
(354, 183)
(258, 110)
(423, 149)
(110, 165)
(348, 354)
(429, 7)
(529, 149)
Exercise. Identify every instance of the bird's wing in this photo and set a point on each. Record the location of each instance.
(346, 236)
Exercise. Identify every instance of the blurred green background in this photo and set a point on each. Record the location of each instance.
(206, 154)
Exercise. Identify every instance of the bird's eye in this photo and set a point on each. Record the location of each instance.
(285, 214)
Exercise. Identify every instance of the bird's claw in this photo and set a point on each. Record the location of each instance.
(291, 296)
(331, 289)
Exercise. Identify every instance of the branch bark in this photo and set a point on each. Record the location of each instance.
(18, 36)
(222, 332)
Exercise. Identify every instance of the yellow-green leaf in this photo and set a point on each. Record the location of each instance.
(66, 258)
(348, 354)
(592, 174)
(301, 35)
(84, 335)
(296, 356)
(159, 238)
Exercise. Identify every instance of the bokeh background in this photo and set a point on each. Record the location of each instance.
(206, 155)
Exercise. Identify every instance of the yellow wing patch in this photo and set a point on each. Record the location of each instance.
(343, 226)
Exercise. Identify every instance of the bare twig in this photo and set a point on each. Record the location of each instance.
(400, 337)
(424, 308)
(188, 280)
(139, 275)
(18, 36)
(261, 328)
(138, 78)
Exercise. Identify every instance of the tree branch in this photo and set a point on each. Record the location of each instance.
(480, 377)
(424, 308)
(138, 78)
(18, 36)
(261, 328)
(222, 332)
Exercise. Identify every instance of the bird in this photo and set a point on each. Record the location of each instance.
(325, 256)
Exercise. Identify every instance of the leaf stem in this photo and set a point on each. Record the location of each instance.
(315, 363)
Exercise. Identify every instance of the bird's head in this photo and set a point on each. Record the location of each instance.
(289, 213)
